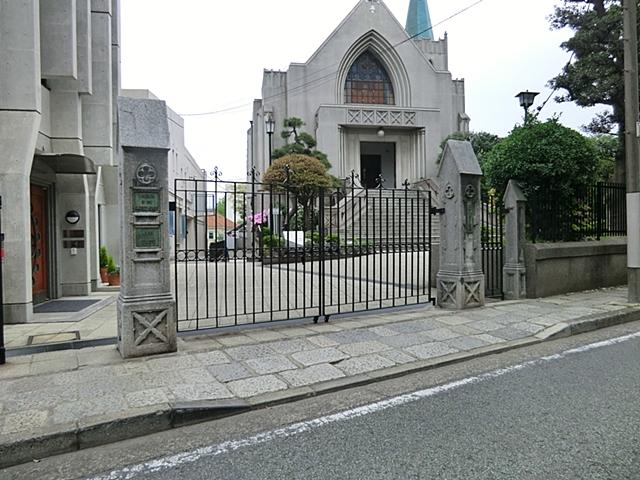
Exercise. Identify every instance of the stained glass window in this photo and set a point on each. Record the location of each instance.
(368, 82)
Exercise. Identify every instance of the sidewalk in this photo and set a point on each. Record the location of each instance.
(94, 322)
(61, 401)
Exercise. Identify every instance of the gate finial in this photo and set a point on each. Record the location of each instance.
(216, 173)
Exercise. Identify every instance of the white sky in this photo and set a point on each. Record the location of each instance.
(208, 55)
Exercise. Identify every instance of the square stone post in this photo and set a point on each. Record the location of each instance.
(460, 279)
(146, 307)
(514, 271)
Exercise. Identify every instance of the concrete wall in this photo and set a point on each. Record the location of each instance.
(557, 268)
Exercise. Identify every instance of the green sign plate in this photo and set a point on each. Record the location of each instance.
(147, 237)
(146, 201)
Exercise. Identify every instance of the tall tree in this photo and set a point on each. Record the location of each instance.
(303, 143)
(594, 76)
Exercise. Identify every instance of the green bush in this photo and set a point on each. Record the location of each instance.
(543, 155)
(104, 257)
(111, 266)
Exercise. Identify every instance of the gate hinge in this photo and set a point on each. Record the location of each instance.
(437, 211)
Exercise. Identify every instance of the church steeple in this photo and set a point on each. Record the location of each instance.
(419, 20)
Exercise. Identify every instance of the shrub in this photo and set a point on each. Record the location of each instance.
(543, 156)
(111, 265)
(104, 257)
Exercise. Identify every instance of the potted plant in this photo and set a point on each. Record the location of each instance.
(104, 265)
(114, 273)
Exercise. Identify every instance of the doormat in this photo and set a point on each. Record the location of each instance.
(63, 306)
(53, 338)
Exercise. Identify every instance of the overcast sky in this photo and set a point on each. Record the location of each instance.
(208, 55)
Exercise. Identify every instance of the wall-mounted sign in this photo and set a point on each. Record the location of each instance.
(72, 217)
(147, 237)
(146, 201)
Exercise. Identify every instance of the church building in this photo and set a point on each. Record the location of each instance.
(378, 97)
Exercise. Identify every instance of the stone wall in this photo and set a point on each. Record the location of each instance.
(557, 268)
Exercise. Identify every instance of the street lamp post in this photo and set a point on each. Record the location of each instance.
(526, 100)
(632, 150)
(271, 127)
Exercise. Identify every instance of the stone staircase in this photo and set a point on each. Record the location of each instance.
(386, 217)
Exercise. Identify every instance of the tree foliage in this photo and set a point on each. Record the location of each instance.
(607, 147)
(482, 143)
(302, 176)
(595, 76)
(303, 143)
(543, 155)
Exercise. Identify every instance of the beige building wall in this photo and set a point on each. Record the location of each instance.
(57, 140)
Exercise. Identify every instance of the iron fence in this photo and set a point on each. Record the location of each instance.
(492, 240)
(590, 213)
(254, 252)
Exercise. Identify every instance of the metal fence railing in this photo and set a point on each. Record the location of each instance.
(297, 251)
(492, 241)
(588, 214)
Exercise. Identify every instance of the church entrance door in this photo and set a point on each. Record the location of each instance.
(378, 158)
(371, 167)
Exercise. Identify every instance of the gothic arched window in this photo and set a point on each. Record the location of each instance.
(368, 82)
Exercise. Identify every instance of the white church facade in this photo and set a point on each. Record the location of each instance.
(377, 96)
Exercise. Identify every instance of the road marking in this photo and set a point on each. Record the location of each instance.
(173, 461)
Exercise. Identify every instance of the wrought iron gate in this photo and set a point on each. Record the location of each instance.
(492, 236)
(251, 252)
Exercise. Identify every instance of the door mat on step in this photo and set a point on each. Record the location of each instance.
(63, 306)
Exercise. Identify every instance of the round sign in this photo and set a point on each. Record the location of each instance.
(72, 217)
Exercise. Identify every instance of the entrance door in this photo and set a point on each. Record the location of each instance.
(39, 274)
(371, 168)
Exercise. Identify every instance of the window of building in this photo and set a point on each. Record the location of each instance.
(368, 82)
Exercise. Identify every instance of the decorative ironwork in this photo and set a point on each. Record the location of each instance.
(492, 243)
(300, 252)
(368, 82)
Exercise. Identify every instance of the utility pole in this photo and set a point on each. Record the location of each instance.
(632, 150)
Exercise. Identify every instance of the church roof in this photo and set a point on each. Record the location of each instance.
(419, 20)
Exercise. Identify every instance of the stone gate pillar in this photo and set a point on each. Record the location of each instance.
(146, 307)
(460, 279)
(514, 271)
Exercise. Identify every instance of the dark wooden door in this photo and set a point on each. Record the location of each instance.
(39, 273)
(371, 167)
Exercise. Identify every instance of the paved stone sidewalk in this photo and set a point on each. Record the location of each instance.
(63, 391)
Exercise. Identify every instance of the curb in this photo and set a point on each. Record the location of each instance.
(145, 421)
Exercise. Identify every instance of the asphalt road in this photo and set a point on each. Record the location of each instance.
(538, 413)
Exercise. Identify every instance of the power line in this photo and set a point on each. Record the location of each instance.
(328, 77)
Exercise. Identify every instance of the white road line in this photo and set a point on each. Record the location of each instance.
(169, 462)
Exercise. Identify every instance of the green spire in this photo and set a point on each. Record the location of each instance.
(419, 20)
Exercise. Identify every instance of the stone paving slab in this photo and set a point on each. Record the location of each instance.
(50, 391)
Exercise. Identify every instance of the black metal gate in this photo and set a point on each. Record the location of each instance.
(492, 235)
(251, 252)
